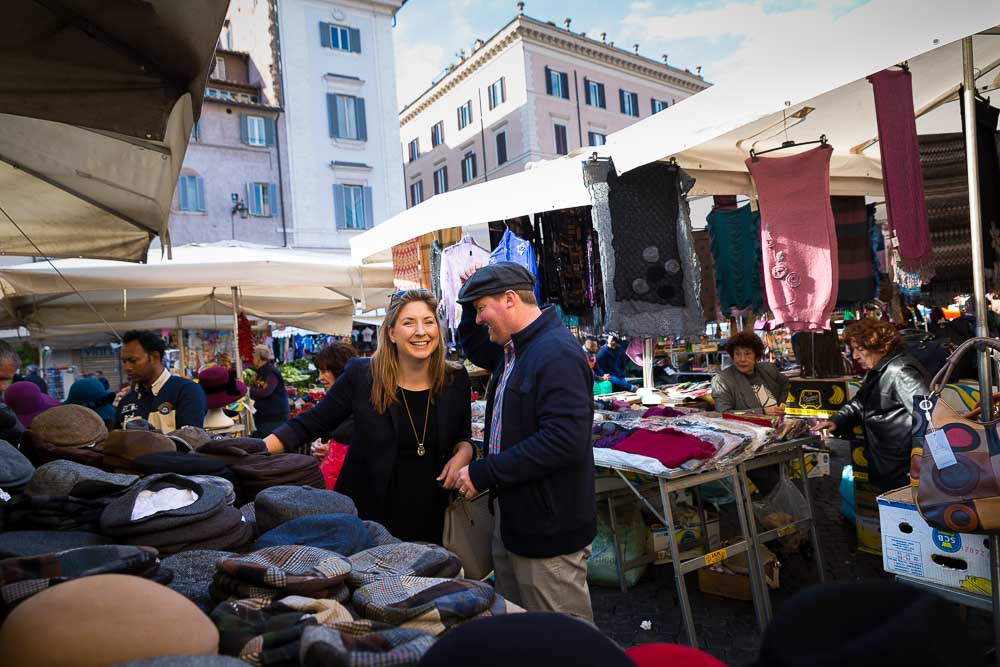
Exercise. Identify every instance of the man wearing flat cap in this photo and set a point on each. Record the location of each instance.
(539, 463)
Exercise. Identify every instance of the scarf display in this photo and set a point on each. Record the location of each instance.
(642, 201)
(854, 253)
(735, 237)
(406, 265)
(800, 257)
(569, 252)
(901, 166)
(708, 296)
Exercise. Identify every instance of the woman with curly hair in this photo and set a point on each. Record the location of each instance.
(749, 384)
(883, 407)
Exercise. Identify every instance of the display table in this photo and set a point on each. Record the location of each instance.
(674, 481)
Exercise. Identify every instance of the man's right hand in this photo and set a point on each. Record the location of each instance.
(468, 272)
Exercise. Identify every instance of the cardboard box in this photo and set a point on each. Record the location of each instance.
(913, 548)
(817, 397)
(688, 537)
(866, 510)
(730, 578)
(817, 465)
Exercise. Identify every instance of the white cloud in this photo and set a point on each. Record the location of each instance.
(417, 63)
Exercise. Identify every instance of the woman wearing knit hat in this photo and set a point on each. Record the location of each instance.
(412, 423)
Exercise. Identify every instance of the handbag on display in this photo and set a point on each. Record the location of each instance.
(956, 459)
(468, 533)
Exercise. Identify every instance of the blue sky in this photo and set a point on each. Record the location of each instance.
(714, 34)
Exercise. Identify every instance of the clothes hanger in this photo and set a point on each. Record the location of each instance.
(754, 154)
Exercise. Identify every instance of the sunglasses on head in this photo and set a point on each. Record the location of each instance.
(399, 294)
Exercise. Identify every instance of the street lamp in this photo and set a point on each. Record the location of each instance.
(238, 207)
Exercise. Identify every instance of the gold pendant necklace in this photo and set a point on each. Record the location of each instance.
(421, 450)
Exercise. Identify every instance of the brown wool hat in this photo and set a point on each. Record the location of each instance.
(69, 426)
(104, 620)
(124, 446)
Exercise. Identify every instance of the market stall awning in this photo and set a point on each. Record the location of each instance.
(97, 101)
(819, 74)
(549, 186)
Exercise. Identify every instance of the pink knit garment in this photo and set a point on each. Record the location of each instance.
(798, 237)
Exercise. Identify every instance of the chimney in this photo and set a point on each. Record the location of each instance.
(520, 8)
(664, 58)
(478, 44)
(567, 22)
(604, 37)
(635, 49)
(611, 43)
(698, 70)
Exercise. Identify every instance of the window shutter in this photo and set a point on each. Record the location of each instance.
(600, 93)
(269, 130)
(244, 129)
(196, 131)
(331, 112)
(339, 214)
(503, 89)
(182, 193)
(621, 99)
(468, 105)
(564, 84)
(362, 125)
(355, 40)
(652, 105)
(475, 172)
(445, 169)
(248, 198)
(273, 200)
(199, 185)
(586, 92)
(324, 35)
(548, 81)
(369, 213)
(491, 97)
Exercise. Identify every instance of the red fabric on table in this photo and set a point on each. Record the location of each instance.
(759, 421)
(669, 447)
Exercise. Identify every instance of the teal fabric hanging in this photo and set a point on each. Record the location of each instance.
(736, 250)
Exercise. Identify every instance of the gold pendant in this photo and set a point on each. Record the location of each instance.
(420, 449)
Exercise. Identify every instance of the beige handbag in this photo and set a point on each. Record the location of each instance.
(468, 533)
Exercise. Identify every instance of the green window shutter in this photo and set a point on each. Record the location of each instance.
(324, 35)
(331, 113)
(269, 130)
(369, 212)
(621, 99)
(548, 81)
(273, 200)
(199, 185)
(362, 125)
(339, 214)
(182, 198)
(355, 40)
(564, 84)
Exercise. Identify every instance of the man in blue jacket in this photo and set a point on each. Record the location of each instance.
(611, 357)
(539, 462)
(167, 401)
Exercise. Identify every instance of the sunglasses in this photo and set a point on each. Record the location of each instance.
(399, 294)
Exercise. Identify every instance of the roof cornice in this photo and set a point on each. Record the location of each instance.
(526, 29)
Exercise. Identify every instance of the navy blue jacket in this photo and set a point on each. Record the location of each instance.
(612, 361)
(543, 475)
(371, 456)
(179, 399)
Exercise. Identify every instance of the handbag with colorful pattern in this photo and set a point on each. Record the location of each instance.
(955, 461)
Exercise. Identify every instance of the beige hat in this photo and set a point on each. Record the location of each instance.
(104, 620)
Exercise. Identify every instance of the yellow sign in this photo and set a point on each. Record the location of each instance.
(787, 530)
(714, 557)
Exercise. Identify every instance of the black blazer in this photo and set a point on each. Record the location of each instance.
(371, 456)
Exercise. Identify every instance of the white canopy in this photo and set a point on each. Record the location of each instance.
(308, 290)
(711, 133)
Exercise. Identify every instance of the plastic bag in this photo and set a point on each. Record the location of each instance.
(633, 538)
(783, 505)
(847, 493)
(332, 463)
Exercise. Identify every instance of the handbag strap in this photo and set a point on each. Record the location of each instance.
(944, 375)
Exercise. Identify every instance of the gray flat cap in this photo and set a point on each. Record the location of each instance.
(496, 279)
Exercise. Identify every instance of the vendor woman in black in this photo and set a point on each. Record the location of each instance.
(412, 423)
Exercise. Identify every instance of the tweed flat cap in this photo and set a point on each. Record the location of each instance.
(35, 542)
(424, 603)
(495, 279)
(65, 478)
(117, 518)
(391, 647)
(380, 535)
(103, 620)
(26, 512)
(278, 504)
(223, 530)
(403, 559)
(15, 469)
(344, 534)
(194, 437)
(264, 472)
(69, 426)
(295, 570)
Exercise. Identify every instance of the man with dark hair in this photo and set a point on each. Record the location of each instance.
(10, 428)
(611, 358)
(167, 401)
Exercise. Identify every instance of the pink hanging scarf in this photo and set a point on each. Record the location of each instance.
(902, 180)
(798, 237)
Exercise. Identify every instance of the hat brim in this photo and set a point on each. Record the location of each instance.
(222, 398)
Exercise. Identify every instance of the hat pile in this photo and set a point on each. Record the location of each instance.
(278, 504)
(265, 472)
(124, 446)
(277, 572)
(67, 478)
(70, 432)
(345, 534)
(174, 513)
(15, 469)
(403, 559)
(231, 450)
(181, 463)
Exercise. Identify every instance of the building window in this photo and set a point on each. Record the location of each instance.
(497, 93)
(658, 105)
(464, 115)
(594, 93)
(340, 37)
(441, 180)
(255, 131)
(196, 130)
(191, 193)
(501, 148)
(346, 117)
(562, 147)
(220, 68)
(437, 134)
(596, 138)
(556, 83)
(413, 148)
(220, 94)
(353, 206)
(629, 103)
(469, 167)
(262, 199)
(416, 193)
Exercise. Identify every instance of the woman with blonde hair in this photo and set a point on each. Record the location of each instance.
(412, 423)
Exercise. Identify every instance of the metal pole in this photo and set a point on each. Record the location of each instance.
(236, 332)
(979, 285)
(180, 347)
(647, 363)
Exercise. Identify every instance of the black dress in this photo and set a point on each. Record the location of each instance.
(415, 503)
